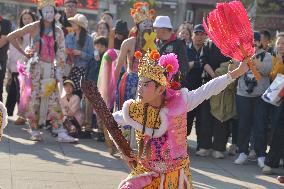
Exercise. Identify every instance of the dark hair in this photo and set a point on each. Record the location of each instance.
(108, 13)
(187, 22)
(183, 27)
(42, 30)
(26, 11)
(82, 37)
(266, 34)
(102, 22)
(101, 40)
(133, 31)
(169, 29)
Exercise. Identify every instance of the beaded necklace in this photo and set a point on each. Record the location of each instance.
(141, 142)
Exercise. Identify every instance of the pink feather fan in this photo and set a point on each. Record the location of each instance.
(229, 28)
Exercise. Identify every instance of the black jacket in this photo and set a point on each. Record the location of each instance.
(193, 77)
(5, 29)
(212, 55)
(177, 46)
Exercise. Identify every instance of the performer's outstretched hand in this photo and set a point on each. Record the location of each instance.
(241, 69)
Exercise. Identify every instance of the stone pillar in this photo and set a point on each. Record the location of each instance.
(180, 13)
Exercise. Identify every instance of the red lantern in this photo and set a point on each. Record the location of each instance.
(229, 28)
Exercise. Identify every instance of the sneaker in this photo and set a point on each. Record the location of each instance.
(260, 162)
(35, 136)
(242, 159)
(20, 121)
(267, 170)
(65, 138)
(252, 156)
(232, 150)
(203, 152)
(218, 155)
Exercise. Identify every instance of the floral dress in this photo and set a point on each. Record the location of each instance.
(45, 69)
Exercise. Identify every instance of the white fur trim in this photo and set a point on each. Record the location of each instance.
(162, 181)
(184, 93)
(148, 131)
(138, 176)
(181, 179)
(118, 117)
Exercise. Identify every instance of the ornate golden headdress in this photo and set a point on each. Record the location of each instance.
(141, 12)
(160, 69)
(3, 118)
(44, 3)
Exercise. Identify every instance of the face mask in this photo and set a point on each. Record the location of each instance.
(48, 13)
(145, 25)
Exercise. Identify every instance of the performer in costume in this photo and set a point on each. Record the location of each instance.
(143, 18)
(158, 116)
(16, 62)
(3, 118)
(45, 69)
(106, 80)
(142, 40)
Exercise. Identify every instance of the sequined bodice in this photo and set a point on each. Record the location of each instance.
(164, 153)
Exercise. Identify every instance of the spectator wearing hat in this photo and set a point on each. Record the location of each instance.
(252, 110)
(193, 77)
(120, 34)
(213, 134)
(70, 105)
(79, 49)
(167, 42)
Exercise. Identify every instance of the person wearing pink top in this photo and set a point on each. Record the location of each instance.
(70, 105)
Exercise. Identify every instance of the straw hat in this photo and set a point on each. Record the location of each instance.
(79, 19)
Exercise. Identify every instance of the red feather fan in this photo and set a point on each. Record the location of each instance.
(229, 28)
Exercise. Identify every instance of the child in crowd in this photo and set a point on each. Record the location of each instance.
(92, 72)
(70, 104)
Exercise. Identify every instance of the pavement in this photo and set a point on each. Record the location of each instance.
(25, 164)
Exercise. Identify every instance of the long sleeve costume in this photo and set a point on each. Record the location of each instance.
(164, 162)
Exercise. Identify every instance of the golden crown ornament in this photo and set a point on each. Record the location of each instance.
(44, 3)
(141, 11)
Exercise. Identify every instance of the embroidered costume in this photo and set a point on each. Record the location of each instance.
(163, 161)
(127, 86)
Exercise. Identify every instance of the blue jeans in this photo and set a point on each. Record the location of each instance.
(252, 113)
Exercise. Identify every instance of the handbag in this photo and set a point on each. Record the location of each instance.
(275, 92)
(72, 126)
